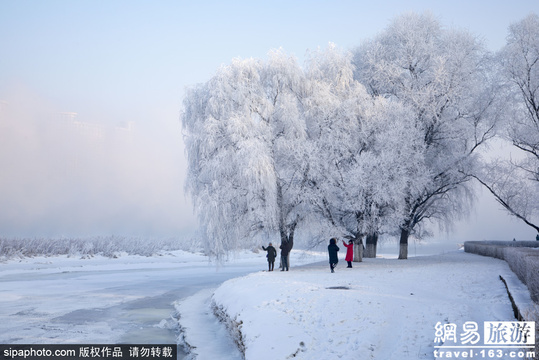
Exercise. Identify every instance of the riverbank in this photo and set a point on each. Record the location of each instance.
(379, 309)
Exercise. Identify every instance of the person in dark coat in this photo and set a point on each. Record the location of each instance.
(349, 252)
(272, 254)
(332, 251)
(285, 247)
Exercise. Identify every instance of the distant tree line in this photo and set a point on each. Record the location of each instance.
(361, 143)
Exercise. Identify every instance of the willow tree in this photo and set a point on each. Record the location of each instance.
(245, 134)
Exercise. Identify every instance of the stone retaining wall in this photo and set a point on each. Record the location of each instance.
(522, 257)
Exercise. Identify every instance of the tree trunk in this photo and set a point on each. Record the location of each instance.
(403, 244)
(288, 260)
(370, 247)
(358, 250)
(287, 239)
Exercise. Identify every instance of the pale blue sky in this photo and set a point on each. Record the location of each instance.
(114, 54)
(116, 61)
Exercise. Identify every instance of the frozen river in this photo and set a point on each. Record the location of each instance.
(102, 301)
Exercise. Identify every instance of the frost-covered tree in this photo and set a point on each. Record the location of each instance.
(270, 145)
(245, 140)
(360, 167)
(442, 76)
(393, 167)
(334, 109)
(515, 182)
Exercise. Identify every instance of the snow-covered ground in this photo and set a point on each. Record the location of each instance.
(379, 309)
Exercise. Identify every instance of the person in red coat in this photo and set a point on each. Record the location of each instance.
(349, 252)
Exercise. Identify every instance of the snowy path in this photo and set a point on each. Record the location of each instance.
(380, 309)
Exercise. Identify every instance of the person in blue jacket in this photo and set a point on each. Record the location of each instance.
(333, 250)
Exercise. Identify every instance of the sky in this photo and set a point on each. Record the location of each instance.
(91, 91)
